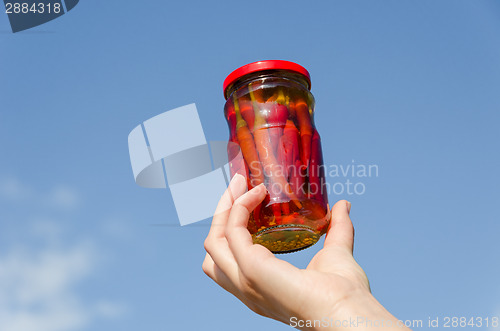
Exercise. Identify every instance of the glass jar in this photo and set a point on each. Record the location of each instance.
(273, 140)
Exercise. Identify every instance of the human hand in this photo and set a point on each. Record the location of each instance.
(332, 287)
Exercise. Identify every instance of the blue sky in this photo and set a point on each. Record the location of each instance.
(411, 86)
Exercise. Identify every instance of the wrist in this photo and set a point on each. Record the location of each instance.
(361, 311)
(357, 311)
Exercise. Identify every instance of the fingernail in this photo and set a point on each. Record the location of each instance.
(237, 177)
(258, 187)
(348, 205)
(237, 181)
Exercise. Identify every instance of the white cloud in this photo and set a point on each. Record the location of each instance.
(36, 289)
(39, 288)
(13, 189)
(46, 228)
(117, 228)
(64, 197)
(42, 269)
(60, 197)
(110, 309)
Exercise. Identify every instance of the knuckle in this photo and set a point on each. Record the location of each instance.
(207, 244)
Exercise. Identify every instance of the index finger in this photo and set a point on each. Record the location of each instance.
(235, 189)
(257, 264)
(249, 257)
(237, 234)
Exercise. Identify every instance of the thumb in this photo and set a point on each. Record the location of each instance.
(341, 232)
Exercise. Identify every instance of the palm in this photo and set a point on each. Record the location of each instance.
(338, 262)
(332, 270)
(331, 284)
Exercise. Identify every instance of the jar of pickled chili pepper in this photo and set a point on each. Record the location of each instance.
(273, 140)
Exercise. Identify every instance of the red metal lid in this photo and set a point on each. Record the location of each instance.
(265, 65)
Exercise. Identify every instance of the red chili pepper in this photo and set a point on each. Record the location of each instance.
(276, 196)
(277, 212)
(297, 180)
(247, 112)
(266, 155)
(276, 119)
(275, 112)
(278, 115)
(291, 109)
(281, 157)
(291, 143)
(247, 145)
(265, 207)
(285, 208)
(306, 131)
(232, 146)
(290, 219)
(289, 155)
(293, 218)
(231, 120)
(235, 157)
(317, 211)
(317, 171)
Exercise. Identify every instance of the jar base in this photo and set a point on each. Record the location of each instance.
(287, 238)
